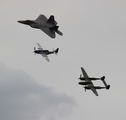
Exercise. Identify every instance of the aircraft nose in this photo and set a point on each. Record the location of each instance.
(21, 21)
(27, 22)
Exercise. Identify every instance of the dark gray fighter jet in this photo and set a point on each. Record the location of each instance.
(87, 81)
(48, 26)
(45, 53)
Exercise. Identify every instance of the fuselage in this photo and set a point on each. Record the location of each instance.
(35, 24)
(47, 52)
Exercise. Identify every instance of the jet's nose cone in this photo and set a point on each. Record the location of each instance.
(26, 22)
(21, 21)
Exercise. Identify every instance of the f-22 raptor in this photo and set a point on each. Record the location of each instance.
(87, 81)
(45, 53)
(48, 26)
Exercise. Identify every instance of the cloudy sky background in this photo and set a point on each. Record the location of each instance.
(93, 38)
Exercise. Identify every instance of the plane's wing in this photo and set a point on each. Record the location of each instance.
(93, 89)
(41, 19)
(39, 46)
(88, 80)
(49, 32)
(46, 57)
(84, 73)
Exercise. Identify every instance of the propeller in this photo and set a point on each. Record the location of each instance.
(34, 50)
(85, 89)
(80, 76)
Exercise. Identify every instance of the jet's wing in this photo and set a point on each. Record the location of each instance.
(41, 19)
(39, 46)
(49, 32)
(91, 85)
(46, 57)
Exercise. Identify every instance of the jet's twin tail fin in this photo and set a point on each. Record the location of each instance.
(51, 20)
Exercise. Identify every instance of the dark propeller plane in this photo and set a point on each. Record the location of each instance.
(44, 53)
(48, 26)
(87, 81)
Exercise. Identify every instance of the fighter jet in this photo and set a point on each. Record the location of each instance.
(87, 81)
(45, 53)
(48, 26)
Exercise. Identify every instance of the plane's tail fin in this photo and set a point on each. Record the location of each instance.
(51, 20)
(59, 32)
(103, 78)
(104, 83)
(107, 87)
(34, 50)
(56, 51)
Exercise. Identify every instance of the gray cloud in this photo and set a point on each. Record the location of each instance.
(23, 99)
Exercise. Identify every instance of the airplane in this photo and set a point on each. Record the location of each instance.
(45, 53)
(87, 81)
(48, 26)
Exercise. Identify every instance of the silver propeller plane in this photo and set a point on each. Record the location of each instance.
(48, 26)
(45, 53)
(87, 82)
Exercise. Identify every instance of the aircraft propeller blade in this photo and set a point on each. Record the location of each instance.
(80, 76)
(85, 89)
(34, 50)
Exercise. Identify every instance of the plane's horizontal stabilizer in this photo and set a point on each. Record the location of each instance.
(55, 28)
(58, 32)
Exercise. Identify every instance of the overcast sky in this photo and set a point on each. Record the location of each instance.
(93, 38)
